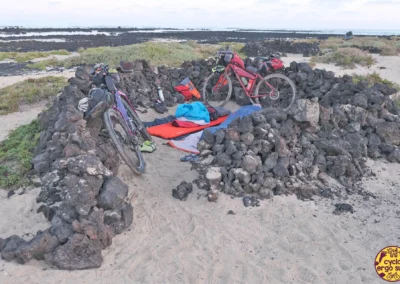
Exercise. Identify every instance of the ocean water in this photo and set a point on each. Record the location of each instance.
(95, 31)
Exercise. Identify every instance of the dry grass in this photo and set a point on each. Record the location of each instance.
(346, 57)
(27, 56)
(374, 78)
(331, 43)
(171, 54)
(41, 65)
(387, 46)
(236, 46)
(29, 91)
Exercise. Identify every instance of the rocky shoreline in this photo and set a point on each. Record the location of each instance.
(116, 37)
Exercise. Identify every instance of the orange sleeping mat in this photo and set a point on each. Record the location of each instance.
(168, 131)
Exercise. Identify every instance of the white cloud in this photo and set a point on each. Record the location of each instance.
(292, 14)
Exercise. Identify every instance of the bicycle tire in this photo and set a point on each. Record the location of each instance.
(281, 76)
(136, 120)
(228, 97)
(139, 167)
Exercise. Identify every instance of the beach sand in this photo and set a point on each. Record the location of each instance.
(285, 240)
(391, 63)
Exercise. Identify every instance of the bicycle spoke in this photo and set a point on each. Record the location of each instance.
(277, 91)
(217, 89)
(126, 141)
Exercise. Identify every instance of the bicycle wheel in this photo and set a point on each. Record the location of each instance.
(276, 90)
(137, 123)
(125, 143)
(217, 89)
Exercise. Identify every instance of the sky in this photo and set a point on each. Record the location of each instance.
(259, 14)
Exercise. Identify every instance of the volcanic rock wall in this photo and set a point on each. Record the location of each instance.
(80, 196)
(328, 134)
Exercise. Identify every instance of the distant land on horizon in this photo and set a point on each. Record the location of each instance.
(23, 29)
(72, 38)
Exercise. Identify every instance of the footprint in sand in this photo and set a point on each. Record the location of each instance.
(305, 275)
(175, 279)
(195, 273)
(294, 238)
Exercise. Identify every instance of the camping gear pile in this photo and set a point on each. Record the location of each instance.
(189, 118)
(334, 125)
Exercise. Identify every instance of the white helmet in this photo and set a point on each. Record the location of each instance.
(83, 104)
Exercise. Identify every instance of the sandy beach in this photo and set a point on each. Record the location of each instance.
(285, 240)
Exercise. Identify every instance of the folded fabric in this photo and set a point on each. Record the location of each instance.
(168, 131)
(222, 111)
(213, 112)
(159, 121)
(189, 144)
(198, 122)
(193, 111)
(241, 112)
(178, 123)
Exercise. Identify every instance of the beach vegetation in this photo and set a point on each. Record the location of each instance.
(346, 57)
(29, 91)
(28, 56)
(16, 153)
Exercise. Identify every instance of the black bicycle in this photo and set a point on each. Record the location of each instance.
(125, 128)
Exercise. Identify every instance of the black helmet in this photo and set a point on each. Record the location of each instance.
(99, 79)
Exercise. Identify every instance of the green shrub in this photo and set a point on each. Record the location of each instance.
(29, 91)
(346, 57)
(16, 153)
(27, 56)
(387, 46)
(374, 78)
(41, 65)
(331, 43)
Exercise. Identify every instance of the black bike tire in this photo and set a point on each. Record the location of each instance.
(228, 97)
(140, 169)
(278, 75)
(145, 135)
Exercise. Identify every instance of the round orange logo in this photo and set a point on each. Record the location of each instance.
(387, 264)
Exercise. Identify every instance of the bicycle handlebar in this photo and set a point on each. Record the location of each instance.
(98, 66)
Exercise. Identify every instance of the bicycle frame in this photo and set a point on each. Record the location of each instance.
(119, 106)
(241, 72)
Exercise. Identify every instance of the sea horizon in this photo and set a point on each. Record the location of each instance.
(363, 32)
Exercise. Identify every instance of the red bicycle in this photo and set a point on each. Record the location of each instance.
(273, 90)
